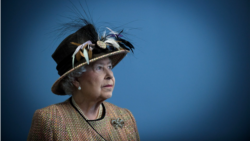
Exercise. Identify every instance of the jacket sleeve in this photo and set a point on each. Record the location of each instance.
(135, 126)
(41, 127)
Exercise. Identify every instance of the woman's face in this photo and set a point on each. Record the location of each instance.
(98, 81)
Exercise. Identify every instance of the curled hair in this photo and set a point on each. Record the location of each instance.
(66, 83)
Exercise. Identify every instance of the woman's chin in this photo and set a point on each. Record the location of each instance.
(107, 95)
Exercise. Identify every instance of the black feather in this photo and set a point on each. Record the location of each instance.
(126, 43)
(119, 34)
(123, 46)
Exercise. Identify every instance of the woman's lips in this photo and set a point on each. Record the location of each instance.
(108, 86)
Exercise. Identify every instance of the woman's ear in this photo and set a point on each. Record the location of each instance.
(76, 83)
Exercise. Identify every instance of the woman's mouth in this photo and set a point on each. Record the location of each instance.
(108, 86)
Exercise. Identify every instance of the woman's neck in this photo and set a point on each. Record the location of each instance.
(90, 109)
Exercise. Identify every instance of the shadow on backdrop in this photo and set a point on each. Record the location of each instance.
(188, 80)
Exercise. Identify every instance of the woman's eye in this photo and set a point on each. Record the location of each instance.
(110, 67)
(99, 68)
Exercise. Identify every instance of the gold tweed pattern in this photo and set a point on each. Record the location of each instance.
(62, 122)
(81, 112)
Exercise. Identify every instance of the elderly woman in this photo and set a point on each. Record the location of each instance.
(84, 63)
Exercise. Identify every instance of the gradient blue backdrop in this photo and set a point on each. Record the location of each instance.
(189, 78)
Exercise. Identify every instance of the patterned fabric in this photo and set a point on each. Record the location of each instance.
(81, 112)
(62, 122)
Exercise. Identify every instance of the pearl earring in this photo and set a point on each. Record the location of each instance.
(79, 88)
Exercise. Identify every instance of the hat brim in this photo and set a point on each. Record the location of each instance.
(115, 56)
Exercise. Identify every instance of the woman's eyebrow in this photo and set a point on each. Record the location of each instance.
(101, 63)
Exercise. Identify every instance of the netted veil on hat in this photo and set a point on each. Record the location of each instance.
(86, 46)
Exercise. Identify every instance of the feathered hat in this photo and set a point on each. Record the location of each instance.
(86, 46)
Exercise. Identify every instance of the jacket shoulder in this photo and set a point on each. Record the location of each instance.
(115, 110)
(46, 121)
(53, 107)
(110, 106)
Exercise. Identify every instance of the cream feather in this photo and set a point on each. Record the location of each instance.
(86, 56)
(113, 42)
(112, 32)
(78, 48)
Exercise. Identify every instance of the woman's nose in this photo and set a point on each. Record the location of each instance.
(109, 74)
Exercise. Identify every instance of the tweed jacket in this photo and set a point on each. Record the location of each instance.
(63, 122)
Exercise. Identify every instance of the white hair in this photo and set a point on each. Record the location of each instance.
(66, 83)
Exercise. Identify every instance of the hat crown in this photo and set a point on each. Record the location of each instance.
(63, 53)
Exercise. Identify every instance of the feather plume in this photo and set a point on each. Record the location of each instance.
(113, 42)
(82, 46)
(126, 43)
(78, 55)
(90, 52)
(123, 46)
(85, 53)
(112, 32)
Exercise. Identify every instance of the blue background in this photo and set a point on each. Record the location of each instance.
(189, 78)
